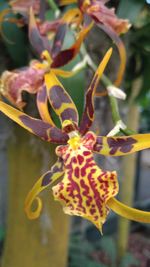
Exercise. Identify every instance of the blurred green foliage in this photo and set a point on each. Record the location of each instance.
(15, 40)
(82, 253)
(138, 44)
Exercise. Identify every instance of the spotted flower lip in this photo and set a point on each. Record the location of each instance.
(85, 189)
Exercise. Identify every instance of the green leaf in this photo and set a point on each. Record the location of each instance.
(146, 79)
(16, 44)
(3, 4)
(130, 9)
(2, 233)
(128, 260)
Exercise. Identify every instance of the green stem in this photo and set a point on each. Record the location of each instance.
(53, 5)
(115, 110)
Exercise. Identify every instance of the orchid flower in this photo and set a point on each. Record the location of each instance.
(85, 189)
(31, 78)
(56, 28)
(23, 6)
(106, 19)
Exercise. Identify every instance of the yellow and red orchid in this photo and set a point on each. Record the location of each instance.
(96, 10)
(42, 32)
(47, 28)
(85, 189)
(106, 19)
(31, 78)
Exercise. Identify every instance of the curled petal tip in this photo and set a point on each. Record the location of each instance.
(33, 214)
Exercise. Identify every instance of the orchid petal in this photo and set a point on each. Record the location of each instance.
(35, 126)
(22, 6)
(59, 99)
(88, 114)
(66, 2)
(59, 39)
(121, 145)
(28, 79)
(42, 105)
(67, 55)
(122, 52)
(43, 182)
(64, 73)
(127, 212)
(38, 42)
(71, 16)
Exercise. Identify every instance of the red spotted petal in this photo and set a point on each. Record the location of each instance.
(85, 188)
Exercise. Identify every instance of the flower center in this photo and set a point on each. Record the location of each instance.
(74, 141)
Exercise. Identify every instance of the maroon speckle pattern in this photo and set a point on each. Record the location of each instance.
(121, 144)
(85, 188)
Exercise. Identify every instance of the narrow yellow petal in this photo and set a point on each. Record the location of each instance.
(64, 73)
(59, 99)
(66, 2)
(127, 212)
(43, 182)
